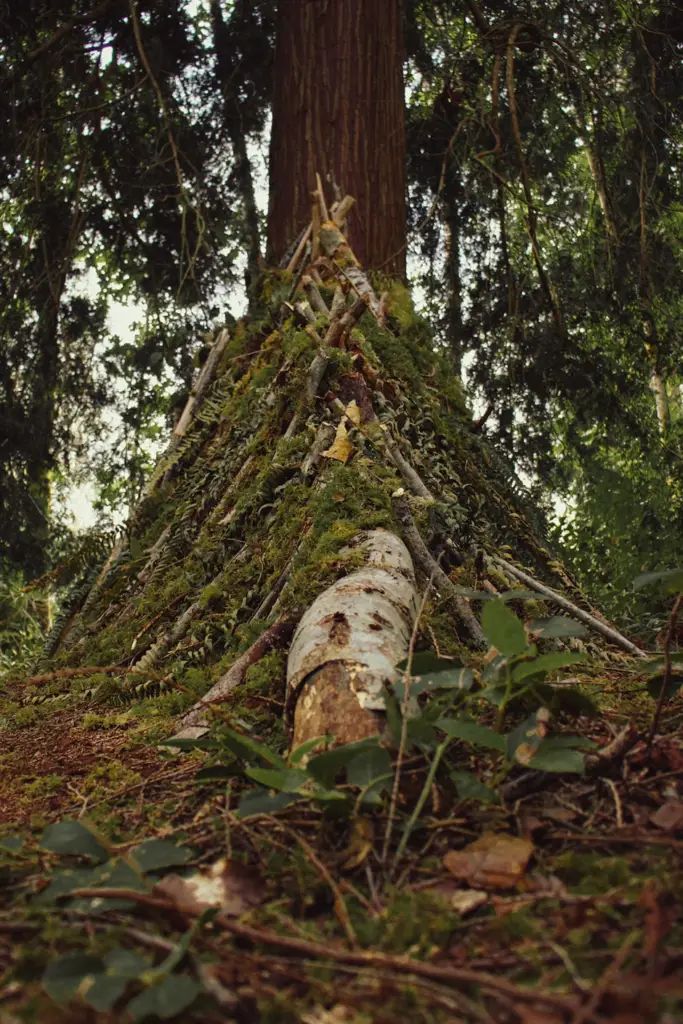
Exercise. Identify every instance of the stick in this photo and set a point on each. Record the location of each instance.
(273, 638)
(667, 671)
(359, 958)
(600, 627)
(299, 249)
(430, 567)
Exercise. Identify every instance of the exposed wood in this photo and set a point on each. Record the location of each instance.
(348, 643)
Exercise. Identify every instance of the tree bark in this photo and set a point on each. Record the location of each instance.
(338, 108)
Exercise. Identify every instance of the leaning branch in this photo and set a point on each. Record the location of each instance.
(609, 632)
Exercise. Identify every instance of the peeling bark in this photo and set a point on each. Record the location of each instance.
(348, 643)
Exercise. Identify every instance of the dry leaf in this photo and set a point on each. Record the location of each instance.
(352, 412)
(491, 862)
(229, 885)
(359, 846)
(341, 448)
(462, 901)
(669, 816)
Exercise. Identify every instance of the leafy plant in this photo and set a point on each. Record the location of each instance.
(421, 705)
(102, 982)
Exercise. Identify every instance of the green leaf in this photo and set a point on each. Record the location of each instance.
(657, 665)
(325, 767)
(432, 673)
(472, 732)
(546, 663)
(557, 626)
(674, 684)
(104, 992)
(526, 738)
(11, 844)
(263, 802)
(493, 669)
(289, 780)
(217, 773)
(493, 694)
(201, 743)
(367, 766)
(392, 709)
(154, 854)
(670, 580)
(63, 977)
(519, 595)
(73, 837)
(469, 787)
(421, 733)
(305, 748)
(115, 874)
(63, 883)
(503, 629)
(563, 741)
(125, 963)
(250, 750)
(551, 758)
(169, 998)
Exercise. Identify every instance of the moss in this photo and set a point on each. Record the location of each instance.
(109, 777)
(24, 717)
(211, 595)
(267, 676)
(43, 786)
(92, 722)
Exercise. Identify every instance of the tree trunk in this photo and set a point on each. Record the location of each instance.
(338, 109)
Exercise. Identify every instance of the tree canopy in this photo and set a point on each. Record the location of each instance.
(544, 216)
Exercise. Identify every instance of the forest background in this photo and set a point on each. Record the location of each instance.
(545, 222)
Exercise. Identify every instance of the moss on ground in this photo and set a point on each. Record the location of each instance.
(100, 756)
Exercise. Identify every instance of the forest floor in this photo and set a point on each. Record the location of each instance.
(570, 910)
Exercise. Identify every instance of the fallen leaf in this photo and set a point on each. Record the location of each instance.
(491, 862)
(341, 448)
(669, 816)
(232, 887)
(558, 813)
(464, 901)
(359, 845)
(352, 411)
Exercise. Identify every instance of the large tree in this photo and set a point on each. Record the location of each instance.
(309, 416)
(331, 543)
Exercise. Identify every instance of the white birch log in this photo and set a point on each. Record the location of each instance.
(348, 643)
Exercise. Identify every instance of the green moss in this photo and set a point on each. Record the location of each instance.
(23, 717)
(109, 777)
(593, 873)
(92, 722)
(267, 676)
(211, 595)
(43, 786)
